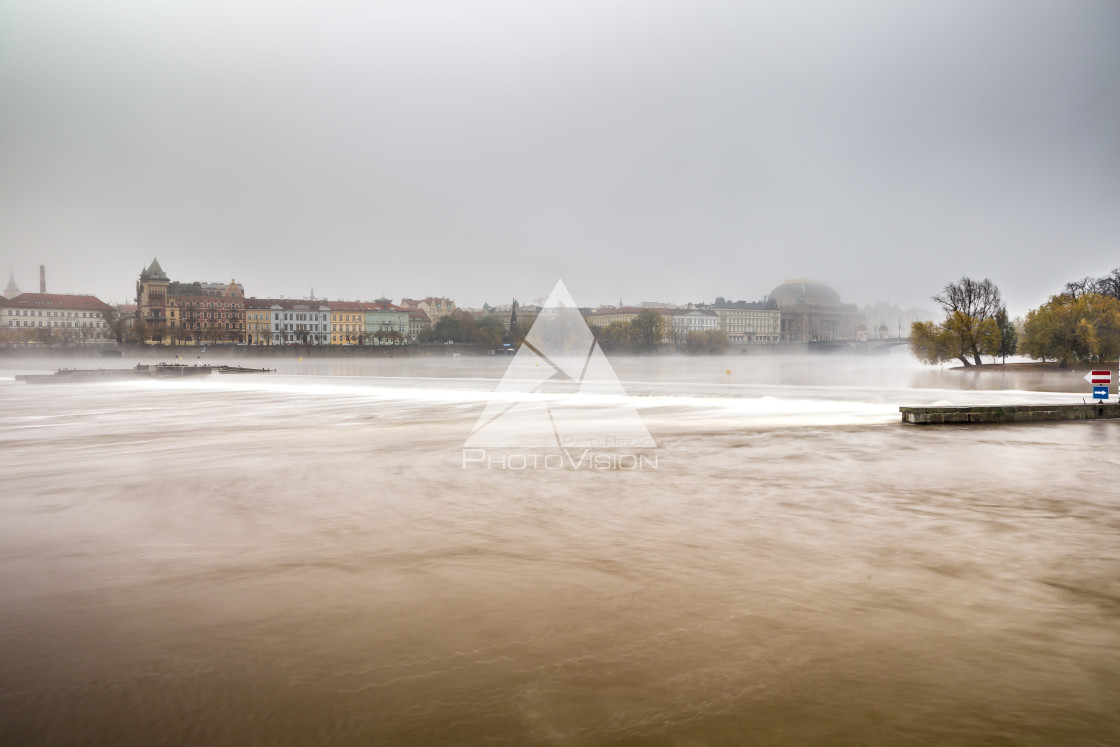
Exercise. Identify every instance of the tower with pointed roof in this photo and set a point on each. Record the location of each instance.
(154, 271)
(12, 290)
(151, 295)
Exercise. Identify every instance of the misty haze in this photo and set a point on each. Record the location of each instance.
(559, 373)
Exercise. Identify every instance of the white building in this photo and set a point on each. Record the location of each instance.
(752, 323)
(300, 322)
(695, 320)
(54, 317)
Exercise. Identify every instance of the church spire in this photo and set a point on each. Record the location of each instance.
(12, 290)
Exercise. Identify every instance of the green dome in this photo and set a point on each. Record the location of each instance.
(805, 291)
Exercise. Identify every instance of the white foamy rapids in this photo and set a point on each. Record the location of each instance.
(742, 407)
(661, 403)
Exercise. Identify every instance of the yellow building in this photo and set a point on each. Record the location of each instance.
(258, 321)
(604, 317)
(348, 322)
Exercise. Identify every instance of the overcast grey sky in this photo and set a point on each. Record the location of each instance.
(640, 150)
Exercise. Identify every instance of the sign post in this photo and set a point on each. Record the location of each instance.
(1100, 381)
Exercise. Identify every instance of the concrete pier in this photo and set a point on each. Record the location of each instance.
(1010, 413)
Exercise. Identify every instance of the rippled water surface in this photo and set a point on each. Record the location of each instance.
(300, 558)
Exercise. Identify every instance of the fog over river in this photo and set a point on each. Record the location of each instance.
(301, 558)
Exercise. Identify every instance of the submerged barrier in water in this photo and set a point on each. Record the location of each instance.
(1010, 413)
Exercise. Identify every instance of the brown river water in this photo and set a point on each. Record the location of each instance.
(301, 558)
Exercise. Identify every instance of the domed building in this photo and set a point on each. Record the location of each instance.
(813, 312)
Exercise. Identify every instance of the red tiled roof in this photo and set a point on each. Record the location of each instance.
(345, 305)
(55, 301)
(284, 303)
(260, 303)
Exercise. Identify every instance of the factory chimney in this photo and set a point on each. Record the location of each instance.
(42, 278)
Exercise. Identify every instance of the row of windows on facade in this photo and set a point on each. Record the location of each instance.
(223, 325)
(298, 317)
(76, 325)
(343, 338)
(207, 305)
(303, 317)
(207, 315)
(290, 337)
(40, 312)
(384, 326)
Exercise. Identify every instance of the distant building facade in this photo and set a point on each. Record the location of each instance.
(511, 313)
(300, 322)
(418, 321)
(385, 324)
(604, 317)
(684, 321)
(188, 313)
(258, 321)
(434, 307)
(890, 320)
(200, 313)
(151, 297)
(750, 323)
(526, 316)
(54, 318)
(348, 322)
(812, 312)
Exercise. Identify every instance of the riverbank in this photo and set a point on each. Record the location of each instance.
(1046, 366)
(422, 350)
(131, 350)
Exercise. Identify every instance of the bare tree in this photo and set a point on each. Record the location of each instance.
(970, 308)
(1109, 285)
(115, 322)
(977, 298)
(1078, 288)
